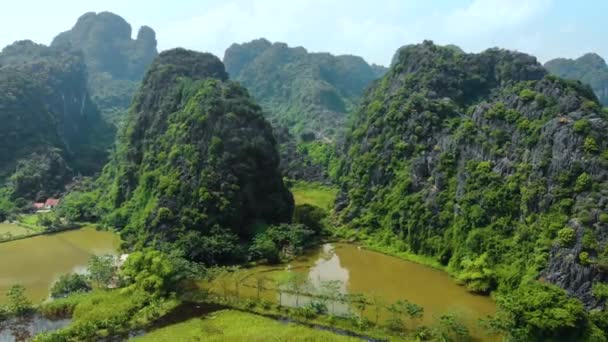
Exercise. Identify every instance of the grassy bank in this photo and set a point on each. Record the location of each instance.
(238, 326)
(315, 194)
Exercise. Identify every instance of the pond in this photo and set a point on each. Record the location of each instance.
(38, 261)
(360, 271)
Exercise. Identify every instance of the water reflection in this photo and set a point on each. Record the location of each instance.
(24, 329)
(382, 279)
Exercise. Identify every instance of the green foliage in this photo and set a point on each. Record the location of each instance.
(153, 272)
(17, 302)
(582, 126)
(583, 182)
(527, 94)
(600, 290)
(537, 312)
(204, 176)
(583, 258)
(101, 270)
(477, 275)
(466, 173)
(68, 284)
(590, 146)
(46, 139)
(282, 241)
(566, 236)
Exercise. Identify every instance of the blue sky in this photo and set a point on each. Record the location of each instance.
(371, 29)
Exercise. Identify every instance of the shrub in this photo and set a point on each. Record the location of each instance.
(18, 304)
(527, 95)
(582, 126)
(583, 258)
(604, 218)
(590, 146)
(68, 284)
(583, 182)
(600, 290)
(566, 236)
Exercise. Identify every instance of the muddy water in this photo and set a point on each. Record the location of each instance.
(37, 262)
(377, 275)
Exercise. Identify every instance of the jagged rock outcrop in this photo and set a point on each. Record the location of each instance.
(589, 68)
(115, 62)
(485, 163)
(50, 127)
(196, 167)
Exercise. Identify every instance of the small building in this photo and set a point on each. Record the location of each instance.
(51, 203)
(38, 206)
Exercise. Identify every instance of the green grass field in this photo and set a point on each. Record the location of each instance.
(314, 194)
(230, 325)
(14, 230)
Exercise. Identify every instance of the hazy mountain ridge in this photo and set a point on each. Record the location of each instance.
(589, 68)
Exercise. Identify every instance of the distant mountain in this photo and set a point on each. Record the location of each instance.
(590, 69)
(115, 62)
(309, 93)
(51, 130)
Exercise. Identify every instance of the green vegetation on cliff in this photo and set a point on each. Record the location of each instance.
(196, 165)
(477, 160)
(51, 130)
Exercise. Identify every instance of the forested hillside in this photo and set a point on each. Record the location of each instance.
(51, 130)
(497, 170)
(115, 62)
(589, 68)
(196, 166)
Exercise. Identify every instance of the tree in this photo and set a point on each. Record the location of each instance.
(538, 312)
(68, 284)
(18, 303)
(153, 272)
(101, 270)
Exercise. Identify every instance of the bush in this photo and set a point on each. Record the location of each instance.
(583, 182)
(604, 218)
(69, 284)
(527, 95)
(600, 290)
(566, 236)
(583, 258)
(18, 304)
(582, 126)
(590, 146)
